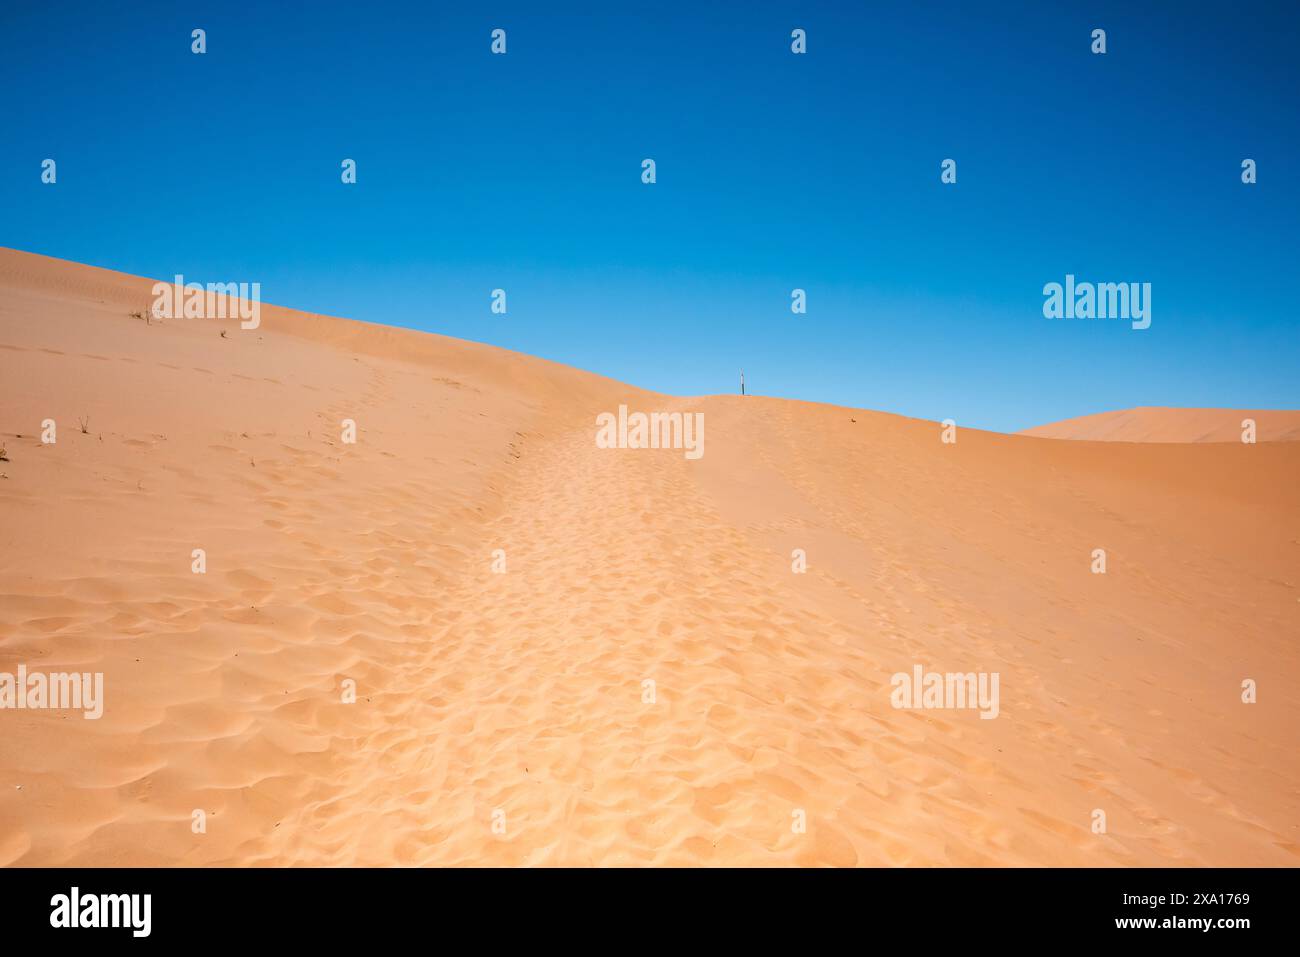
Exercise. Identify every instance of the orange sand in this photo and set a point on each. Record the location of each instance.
(1147, 424)
(523, 691)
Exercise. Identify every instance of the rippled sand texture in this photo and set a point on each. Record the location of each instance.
(523, 692)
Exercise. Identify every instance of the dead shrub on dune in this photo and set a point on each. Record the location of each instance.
(84, 422)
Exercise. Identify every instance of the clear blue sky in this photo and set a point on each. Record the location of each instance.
(775, 171)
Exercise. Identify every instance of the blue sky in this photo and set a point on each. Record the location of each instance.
(775, 171)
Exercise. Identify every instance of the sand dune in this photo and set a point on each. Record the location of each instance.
(519, 698)
(1149, 424)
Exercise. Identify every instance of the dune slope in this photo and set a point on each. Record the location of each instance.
(505, 716)
(1149, 424)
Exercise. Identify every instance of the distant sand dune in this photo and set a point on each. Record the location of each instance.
(523, 692)
(1148, 424)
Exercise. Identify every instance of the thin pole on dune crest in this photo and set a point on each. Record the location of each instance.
(742, 381)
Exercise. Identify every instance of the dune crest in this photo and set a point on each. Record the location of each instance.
(1152, 424)
(567, 654)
